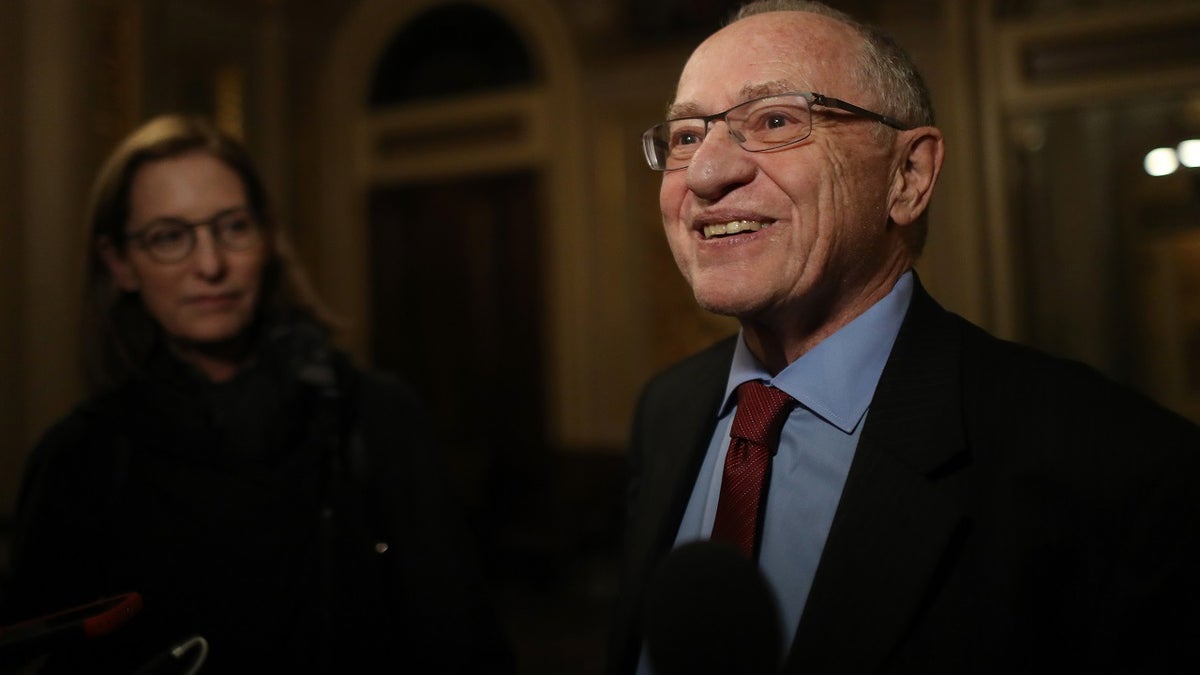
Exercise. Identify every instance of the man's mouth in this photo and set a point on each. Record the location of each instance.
(732, 227)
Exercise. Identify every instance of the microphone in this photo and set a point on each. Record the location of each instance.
(709, 611)
(42, 634)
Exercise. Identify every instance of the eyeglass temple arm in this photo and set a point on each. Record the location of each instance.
(831, 102)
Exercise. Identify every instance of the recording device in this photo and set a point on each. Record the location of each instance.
(711, 611)
(40, 635)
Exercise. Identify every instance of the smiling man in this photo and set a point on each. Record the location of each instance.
(918, 495)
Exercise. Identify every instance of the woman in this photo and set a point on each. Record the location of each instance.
(255, 488)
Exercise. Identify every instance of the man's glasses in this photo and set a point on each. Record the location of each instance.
(758, 124)
(169, 240)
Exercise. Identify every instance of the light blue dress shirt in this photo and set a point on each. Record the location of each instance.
(834, 384)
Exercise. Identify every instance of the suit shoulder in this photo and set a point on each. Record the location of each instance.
(1017, 377)
(1020, 369)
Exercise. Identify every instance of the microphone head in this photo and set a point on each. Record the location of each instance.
(710, 610)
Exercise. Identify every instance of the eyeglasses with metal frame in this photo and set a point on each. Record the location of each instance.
(170, 240)
(760, 124)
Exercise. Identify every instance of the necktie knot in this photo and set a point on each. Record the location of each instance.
(760, 414)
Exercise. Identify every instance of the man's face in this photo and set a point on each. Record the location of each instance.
(824, 242)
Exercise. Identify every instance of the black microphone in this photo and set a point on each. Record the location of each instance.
(709, 610)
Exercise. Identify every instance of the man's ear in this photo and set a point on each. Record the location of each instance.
(916, 173)
(118, 266)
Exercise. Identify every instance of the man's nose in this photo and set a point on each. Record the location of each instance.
(720, 164)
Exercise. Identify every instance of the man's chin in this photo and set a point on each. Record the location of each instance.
(727, 304)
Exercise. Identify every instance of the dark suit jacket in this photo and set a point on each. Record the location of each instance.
(1005, 511)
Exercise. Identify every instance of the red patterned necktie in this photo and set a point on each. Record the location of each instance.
(756, 425)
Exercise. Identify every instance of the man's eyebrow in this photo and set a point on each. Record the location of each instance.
(747, 92)
(760, 89)
(686, 109)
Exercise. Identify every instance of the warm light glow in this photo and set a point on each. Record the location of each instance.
(1161, 161)
(1189, 153)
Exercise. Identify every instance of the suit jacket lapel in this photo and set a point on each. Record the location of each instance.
(894, 521)
(679, 440)
(681, 413)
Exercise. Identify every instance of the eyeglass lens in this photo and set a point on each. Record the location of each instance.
(171, 240)
(756, 125)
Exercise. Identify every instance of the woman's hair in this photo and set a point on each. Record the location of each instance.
(117, 332)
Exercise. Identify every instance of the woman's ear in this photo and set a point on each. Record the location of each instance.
(916, 174)
(122, 273)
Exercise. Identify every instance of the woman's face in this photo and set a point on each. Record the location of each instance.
(208, 298)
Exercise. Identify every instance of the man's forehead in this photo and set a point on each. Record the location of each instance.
(748, 91)
(761, 55)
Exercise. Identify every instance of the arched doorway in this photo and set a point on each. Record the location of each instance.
(529, 125)
(452, 233)
(454, 262)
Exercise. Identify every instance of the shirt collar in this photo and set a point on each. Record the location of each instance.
(837, 378)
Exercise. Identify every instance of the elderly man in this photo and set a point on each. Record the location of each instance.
(918, 495)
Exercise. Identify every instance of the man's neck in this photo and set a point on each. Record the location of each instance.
(779, 337)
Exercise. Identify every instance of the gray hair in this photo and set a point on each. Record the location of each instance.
(885, 69)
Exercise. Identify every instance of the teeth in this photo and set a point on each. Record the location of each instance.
(732, 227)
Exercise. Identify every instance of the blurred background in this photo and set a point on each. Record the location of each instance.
(464, 181)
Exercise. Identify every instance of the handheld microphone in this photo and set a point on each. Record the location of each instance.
(40, 635)
(710, 611)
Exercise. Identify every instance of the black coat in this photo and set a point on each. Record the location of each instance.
(296, 517)
(1005, 512)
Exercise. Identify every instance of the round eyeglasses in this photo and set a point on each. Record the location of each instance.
(759, 124)
(169, 240)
